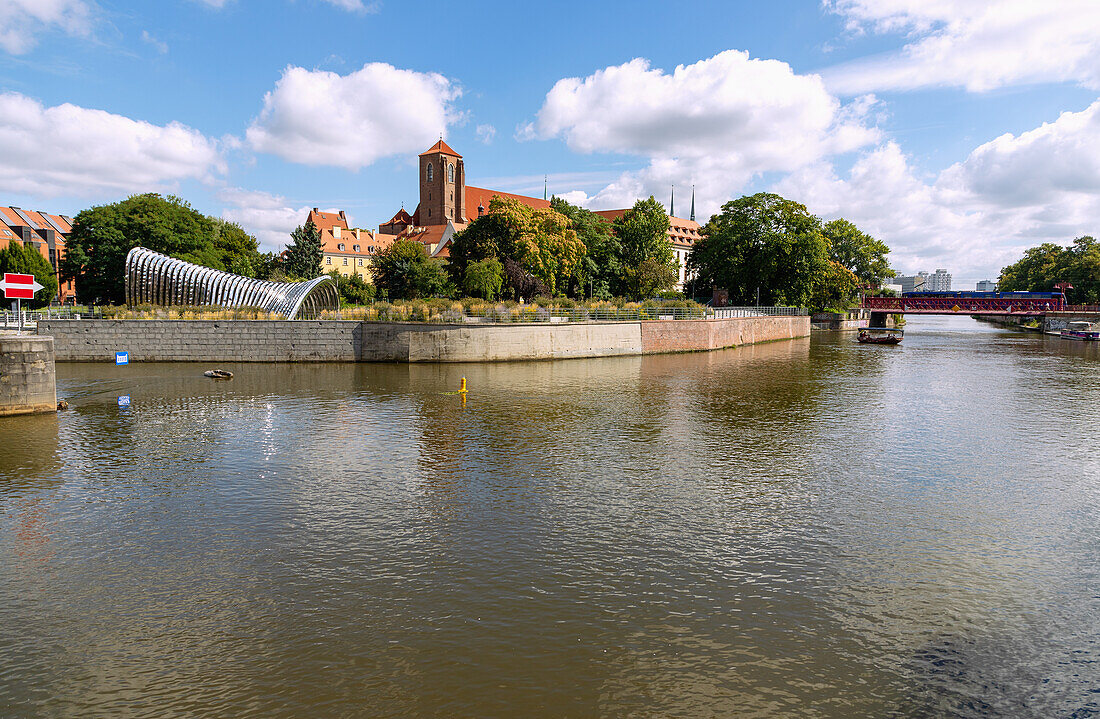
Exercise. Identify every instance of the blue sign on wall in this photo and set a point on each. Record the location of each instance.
(122, 358)
(124, 400)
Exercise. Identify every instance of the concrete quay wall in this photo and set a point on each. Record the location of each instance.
(205, 340)
(28, 383)
(347, 341)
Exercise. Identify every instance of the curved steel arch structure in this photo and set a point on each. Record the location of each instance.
(157, 279)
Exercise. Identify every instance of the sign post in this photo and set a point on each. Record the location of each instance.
(19, 287)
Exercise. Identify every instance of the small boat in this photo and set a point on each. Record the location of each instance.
(880, 336)
(1080, 330)
(218, 374)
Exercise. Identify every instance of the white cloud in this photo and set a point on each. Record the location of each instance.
(71, 150)
(978, 215)
(486, 133)
(716, 123)
(269, 217)
(21, 20)
(976, 45)
(266, 216)
(159, 45)
(315, 117)
(355, 5)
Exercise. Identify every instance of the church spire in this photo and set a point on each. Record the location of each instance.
(693, 203)
(545, 180)
(672, 203)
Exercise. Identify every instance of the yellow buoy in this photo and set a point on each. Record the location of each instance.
(463, 388)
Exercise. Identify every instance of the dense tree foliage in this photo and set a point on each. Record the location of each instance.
(304, 253)
(858, 252)
(766, 244)
(25, 260)
(405, 271)
(483, 279)
(1048, 264)
(95, 251)
(599, 273)
(642, 232)
(543, 250)
(354, 290)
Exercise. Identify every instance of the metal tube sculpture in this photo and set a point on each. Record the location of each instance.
(153, 278)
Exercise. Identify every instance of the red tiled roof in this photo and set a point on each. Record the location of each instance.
(479, 196)
(369, 243)
(440, 147)
(327, 220)
(401, 217)
(680, 231)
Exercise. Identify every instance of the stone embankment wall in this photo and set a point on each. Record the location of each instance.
(28, 384)
(345, 341)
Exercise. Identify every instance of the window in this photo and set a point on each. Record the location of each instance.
(360, 261)
(345, 262)
(451, 172)
(328, 260)
(429, 210)
(355, 247)
(429, 172)
(340, 246)
(370, 249)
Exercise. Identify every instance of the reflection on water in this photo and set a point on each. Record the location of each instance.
(811, 528)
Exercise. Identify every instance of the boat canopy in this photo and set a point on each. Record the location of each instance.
(884, 329)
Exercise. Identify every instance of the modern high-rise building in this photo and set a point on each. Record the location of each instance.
(939, 281)
(912, 283)
(986, 286)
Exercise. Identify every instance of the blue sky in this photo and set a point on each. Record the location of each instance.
(958, 132)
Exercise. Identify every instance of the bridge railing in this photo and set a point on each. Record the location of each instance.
(722, 313)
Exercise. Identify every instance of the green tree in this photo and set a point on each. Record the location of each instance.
(600, 272)
(540, 241)
(484, 278)
(763, 243)
(652, 277)
(859, 252)
(25, 260)
(1048, 264)
(489, 236)
(238, 251)
(545, 244)
(95, 251)
(304, 253)
(405, 271)
(354, 290)
(835, 289)
(642, 232)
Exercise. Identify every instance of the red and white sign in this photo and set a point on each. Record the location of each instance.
(19, 287)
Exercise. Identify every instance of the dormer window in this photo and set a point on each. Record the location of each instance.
(355, 248)
(429, 172)
(340, 246)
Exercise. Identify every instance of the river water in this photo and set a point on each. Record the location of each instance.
(812, 528)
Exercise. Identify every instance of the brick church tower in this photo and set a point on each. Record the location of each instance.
(442, 186)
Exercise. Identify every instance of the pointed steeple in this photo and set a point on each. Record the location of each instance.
(545, 180)
(693, 203)
(672, 203)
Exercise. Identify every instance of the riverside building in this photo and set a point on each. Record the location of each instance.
(447, 205)
(42, 231)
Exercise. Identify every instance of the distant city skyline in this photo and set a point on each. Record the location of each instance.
(958, 133)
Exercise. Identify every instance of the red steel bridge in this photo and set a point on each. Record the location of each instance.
(1027, 304)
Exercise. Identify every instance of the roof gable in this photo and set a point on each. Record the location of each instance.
(440, 147)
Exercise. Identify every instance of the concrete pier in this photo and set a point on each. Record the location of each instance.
(28, 383)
